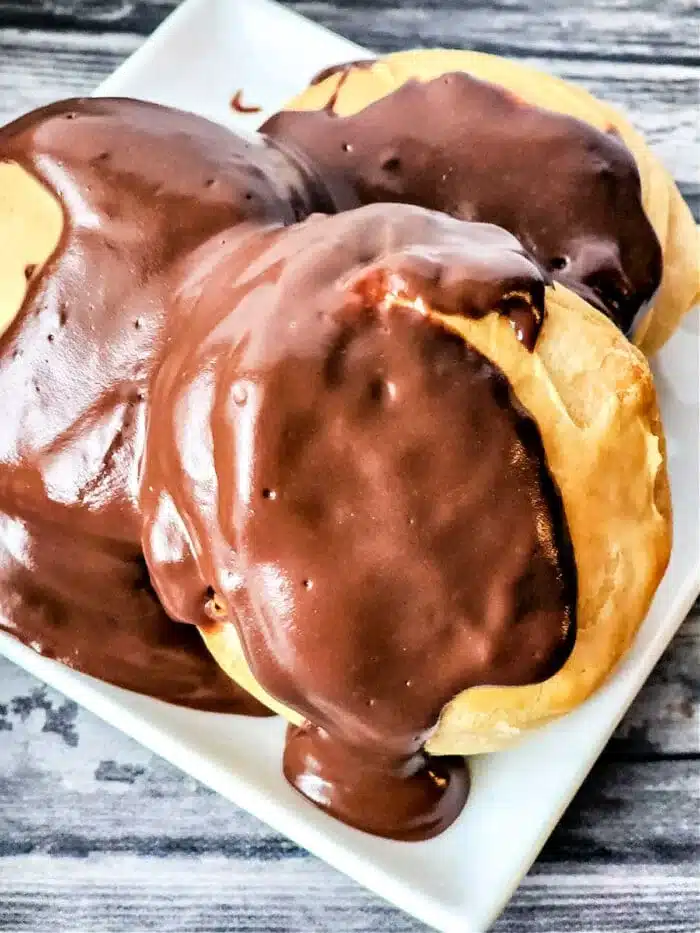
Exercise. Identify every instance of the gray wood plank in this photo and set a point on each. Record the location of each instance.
(69, 785)
(626, 30)
(662, 100)
(629, 30)
(141, 16)
(38, 67)
(97, 833)
(213, 895)
(665, 717)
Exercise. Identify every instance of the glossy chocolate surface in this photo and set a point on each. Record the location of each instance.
(570, 193)
(205, 399)
(140, 186)
(363, 492)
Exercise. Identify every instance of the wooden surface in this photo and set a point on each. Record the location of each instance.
(97, 834)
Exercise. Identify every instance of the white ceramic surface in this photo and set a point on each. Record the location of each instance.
(459, 882)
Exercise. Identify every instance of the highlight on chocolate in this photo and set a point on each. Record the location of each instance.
(340, 425)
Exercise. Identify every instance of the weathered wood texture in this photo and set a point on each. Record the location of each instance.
(621, 30)
(643, 60)
(97, 834)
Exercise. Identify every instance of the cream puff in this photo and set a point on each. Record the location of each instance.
(484, 138)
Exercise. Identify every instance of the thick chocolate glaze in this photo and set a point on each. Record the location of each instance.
(140, 185)
(570, 193)
(363, 493)
(201, 403)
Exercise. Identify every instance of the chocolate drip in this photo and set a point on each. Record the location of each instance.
(140, 186)
(238, 105)
(338, 495)
(570, 193)
(408, 798)
(345, 67)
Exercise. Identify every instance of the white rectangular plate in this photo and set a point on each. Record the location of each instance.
(460, 881)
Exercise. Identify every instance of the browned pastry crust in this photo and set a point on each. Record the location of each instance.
(353, 90)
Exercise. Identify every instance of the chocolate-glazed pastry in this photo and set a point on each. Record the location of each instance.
(570, 193)
(139, 186)
(377, 545)
(397, 514)
(349, 88)
(248, 405)
(363, 493)
(352, 451)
